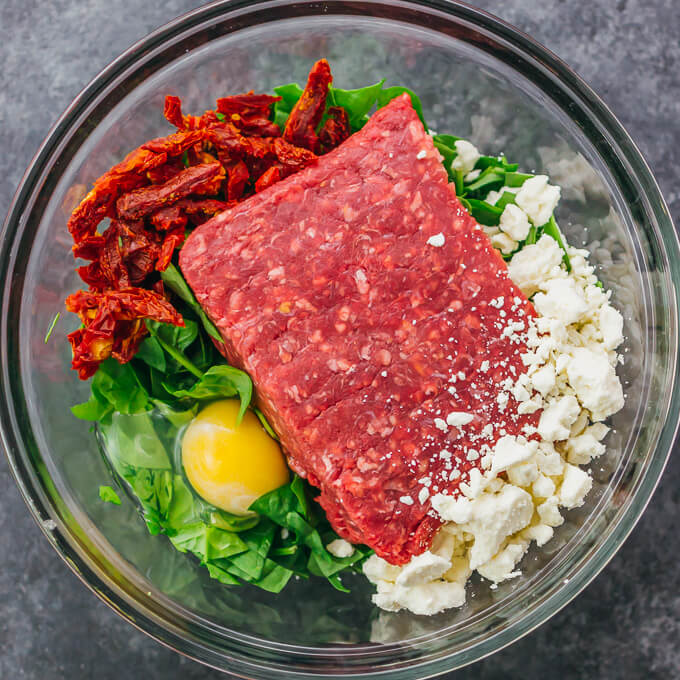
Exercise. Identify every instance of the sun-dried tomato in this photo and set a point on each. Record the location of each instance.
(173, 239)
(175, 144)
(335, 129)
(89, 248)
(199, 179)
(238, 175)
(170, 217)
(250, 113)
(173, 111)
(292, 158)
(307, 113)
(268, 177)
(114, 325)
(166, 172)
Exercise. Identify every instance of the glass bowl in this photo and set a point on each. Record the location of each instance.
(477, 78)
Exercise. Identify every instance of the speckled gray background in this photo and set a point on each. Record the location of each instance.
(625, 625)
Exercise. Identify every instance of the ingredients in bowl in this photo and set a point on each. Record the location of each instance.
(432, 358)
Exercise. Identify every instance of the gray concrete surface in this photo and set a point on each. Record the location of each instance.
(625, 625)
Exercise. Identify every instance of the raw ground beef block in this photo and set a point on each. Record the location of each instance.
(360, 336)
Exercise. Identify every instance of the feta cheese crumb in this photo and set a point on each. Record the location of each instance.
(501, 566)
(595, 382)
(422, 569)
(538, 199)
(557, 418)
(576, 483)
(514, 222)
(459, 418)
(563, 301)
(438, 240)
(340, 548)
(532, 266)
(421, 154)
(611, 326)
(509, 451)
(467, 157)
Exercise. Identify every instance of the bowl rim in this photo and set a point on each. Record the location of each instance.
(571, 83)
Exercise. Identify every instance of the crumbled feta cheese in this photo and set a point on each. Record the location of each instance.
(595, 382)
(563, 301)
(377, 569)
(491, 519)
(543, 379)
(425, 600)
(514, 222)
(538, 199)
(423, 568)
(611, 326)
(421, 154)
(576, 483)
(543, 487)
(503, 243)
(532, 266)
(557, 418)
(340, 548)
(583, 448)
(472, 176)
(467, 157)
(510, 451)
(501, 566)
(438, 240)
(440, 423)
(522, 474)
(541, 533)
(459, 418)
(549, 512)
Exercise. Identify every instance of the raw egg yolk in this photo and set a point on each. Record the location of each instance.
(231, 465)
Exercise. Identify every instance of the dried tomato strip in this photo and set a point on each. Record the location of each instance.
(172, 110)
(114, 324)
(268, 177)
(336, 128)
(307, 113)
(175, 144)
(199, 179)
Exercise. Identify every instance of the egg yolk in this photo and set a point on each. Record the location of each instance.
(231, 465)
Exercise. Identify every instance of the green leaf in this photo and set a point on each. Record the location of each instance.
(386, 95)
(275, 577)
(175, 282)
(489, 180)
(506, 198)
(51, 326)
(484, 162)
(289, 94)
(185, 159)
(220, 382)
(118, 386)
(516, 179)
(108, 495)
(151, 353)
(220, 116)
(552, 230)
(133, 441)
(532, 236)
(93, 409)
(228, 522)
(265, 423)
(484, 212)
(358, 103)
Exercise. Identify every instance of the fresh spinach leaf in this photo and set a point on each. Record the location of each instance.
(151, 353)
(108, 495)
(386, 95)
(484, 212)
(358, 103)
(220, 382)
(172, 278)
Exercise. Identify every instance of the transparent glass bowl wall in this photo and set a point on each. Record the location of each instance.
(476, 79)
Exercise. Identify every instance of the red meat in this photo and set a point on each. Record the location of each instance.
(360, 335)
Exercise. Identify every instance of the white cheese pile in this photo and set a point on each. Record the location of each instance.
(571, 376)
